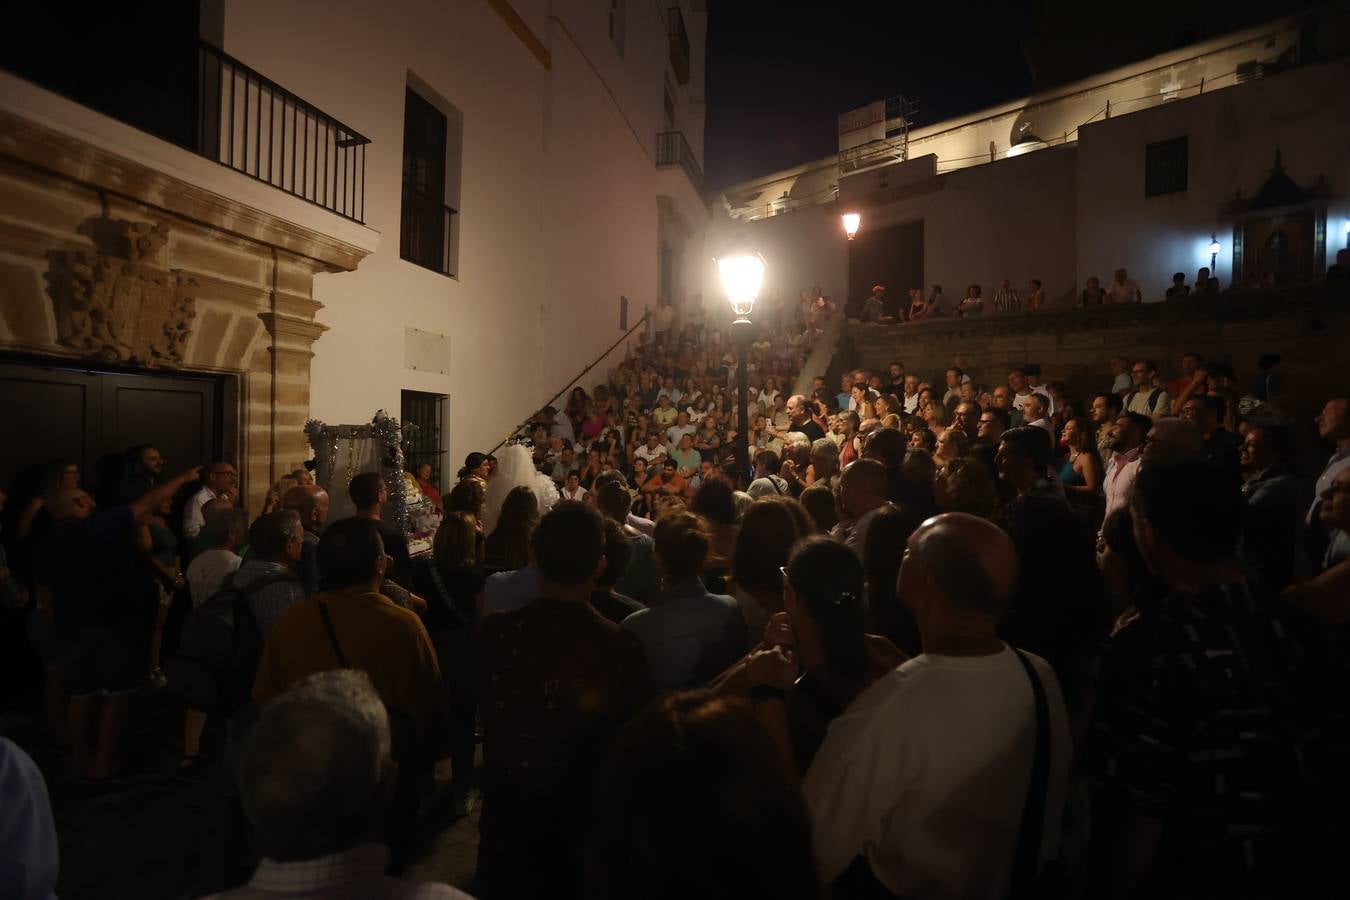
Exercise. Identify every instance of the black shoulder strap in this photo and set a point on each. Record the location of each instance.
(1027, 860)
(1153, 398)
(332, 635)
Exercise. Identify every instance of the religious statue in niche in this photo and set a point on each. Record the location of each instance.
(117, 303)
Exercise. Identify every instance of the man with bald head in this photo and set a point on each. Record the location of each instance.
(1172, 439)
(926, 773)
(861, 494)
(311, 502)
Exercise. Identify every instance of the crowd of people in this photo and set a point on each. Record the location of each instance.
(934, 637)
(880, 306)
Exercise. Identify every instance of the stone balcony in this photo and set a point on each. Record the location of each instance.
(1309, 327)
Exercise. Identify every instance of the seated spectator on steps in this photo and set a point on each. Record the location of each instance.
(689, 634)
(543, 748)
(317, 779)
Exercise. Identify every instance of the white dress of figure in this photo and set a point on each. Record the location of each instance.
(515, 467)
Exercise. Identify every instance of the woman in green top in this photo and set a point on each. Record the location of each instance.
(159, 548)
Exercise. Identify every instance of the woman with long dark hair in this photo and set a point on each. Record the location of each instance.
(508, 546)
(826, 614)
(451, 581)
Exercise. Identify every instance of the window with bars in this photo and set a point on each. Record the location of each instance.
(1165, 167)
(425, 441)
(427, 224)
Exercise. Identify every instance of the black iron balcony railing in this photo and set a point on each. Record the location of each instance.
(426, 234)
(673, 150)
(253, 125)
(679, 44)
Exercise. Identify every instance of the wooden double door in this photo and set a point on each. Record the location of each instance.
(50, 410)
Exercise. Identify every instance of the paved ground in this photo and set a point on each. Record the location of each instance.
(154, 834)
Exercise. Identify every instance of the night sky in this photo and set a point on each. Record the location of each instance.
(778, 78)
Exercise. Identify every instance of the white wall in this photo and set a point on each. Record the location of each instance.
(1063, 214)
(558, 206)
(1232, 138)
(1055, 116)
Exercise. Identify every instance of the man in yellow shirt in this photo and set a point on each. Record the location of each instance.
(354, 626)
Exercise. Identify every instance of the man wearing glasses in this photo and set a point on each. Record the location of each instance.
(1148, 398)
(221, 482)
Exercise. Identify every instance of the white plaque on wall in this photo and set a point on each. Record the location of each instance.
(426, 351)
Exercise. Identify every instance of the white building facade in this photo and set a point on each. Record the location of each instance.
(497, 178)
(1141, 167)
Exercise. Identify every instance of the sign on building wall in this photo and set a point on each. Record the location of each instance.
(426, 351)
(863, 125)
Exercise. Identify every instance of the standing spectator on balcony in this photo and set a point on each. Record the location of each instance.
(1123, 289)
(873, 307)
(919, 308)
(1035, 295)
(1006, 299)
(972, 305)
(1179, 287)
(1092, 294)
(1204, 284)
(1148, 398)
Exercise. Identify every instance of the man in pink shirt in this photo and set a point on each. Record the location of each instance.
(1127, 439)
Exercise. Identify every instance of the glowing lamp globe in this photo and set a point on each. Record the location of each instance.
(851, 223)
(742, 275)
(1214, 247)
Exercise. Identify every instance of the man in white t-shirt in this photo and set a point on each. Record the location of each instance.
(1123, 289)
(911, 398)
(925, 774)
(219, 482)
(228, 530)
(679, 430)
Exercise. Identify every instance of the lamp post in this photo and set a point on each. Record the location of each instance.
(742, 273)
(851, 222)
(1213, 254)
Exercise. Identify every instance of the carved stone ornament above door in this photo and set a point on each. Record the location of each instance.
(118, 303)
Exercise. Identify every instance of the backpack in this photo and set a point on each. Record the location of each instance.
(220, 648)
(1152, 399)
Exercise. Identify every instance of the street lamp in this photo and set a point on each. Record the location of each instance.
(851, 222)
(742, 274)
(1213, 253)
